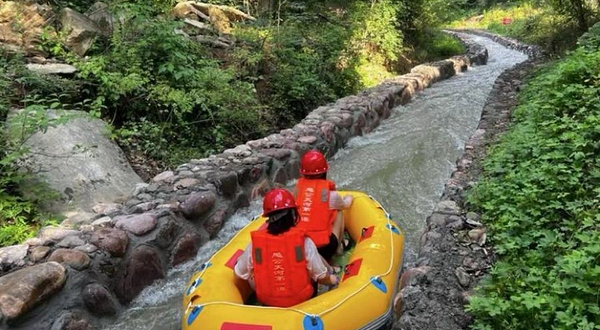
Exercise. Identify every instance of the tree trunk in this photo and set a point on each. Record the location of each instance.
(265, 7)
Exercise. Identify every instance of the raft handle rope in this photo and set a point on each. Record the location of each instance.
(312, 316)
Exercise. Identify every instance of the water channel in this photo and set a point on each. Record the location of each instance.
(404, 164)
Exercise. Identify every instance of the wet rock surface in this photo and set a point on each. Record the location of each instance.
(453, 254)
(143, 267)
(98, 300)
(22, 290)
(111, 240)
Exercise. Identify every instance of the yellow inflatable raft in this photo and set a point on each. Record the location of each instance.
(214, 298)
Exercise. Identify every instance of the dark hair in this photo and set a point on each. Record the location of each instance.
(283, 223)
(320, 176)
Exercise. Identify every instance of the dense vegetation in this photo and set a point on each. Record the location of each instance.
(169, 98)
(541, 199)
(552, 24)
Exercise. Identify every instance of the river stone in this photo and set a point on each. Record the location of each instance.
(463, 278)
(103, 222)
(38, 253)
(37, 241)
(97, 170)
(143, 268)
(185, 183)
(106, 208)
(12, 256)
(71, 320)
(111, 240)
(70, 242)
(72, 258)
(20, 291)
(164, 176)
(98, 300)
(138, 224)
(214, 224)
(186, 248)
(447, 207)
(56, 233)
(226, 182)
(197, 204)
(87, 248)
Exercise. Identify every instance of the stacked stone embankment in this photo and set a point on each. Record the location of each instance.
(78, 276)
(454, 253)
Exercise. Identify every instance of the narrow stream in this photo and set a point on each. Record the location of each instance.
(404, 164)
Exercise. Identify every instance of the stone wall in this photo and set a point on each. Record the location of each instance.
(453, 253)
(96, 270)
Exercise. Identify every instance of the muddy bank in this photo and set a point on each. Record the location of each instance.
(454, 254)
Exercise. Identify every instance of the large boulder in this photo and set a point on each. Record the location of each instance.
(22, 24)
(20, 291)
(143, 267)
(79, 160)
(80, 30)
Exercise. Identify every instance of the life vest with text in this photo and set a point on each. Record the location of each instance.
(313, 208)
(280, 273)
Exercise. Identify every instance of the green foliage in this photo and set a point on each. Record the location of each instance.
(437, 45)
(541, 197)
(531, 23)
(20, 215)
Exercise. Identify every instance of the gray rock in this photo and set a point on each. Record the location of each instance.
(103, 222)
(71, 320)
(70, 242)
(185, 183)
(52, 68)
(143, 207)
(98, 300)
(87, 248)
(197, 204)
(22, 290)
(38, 253)
(138, 224)
(100, 13)
(107, 208)
(447, 207)
(36, 241)
(12, 256)
(81, 31)
(114, 241)
(98, 171)
(72, 258)
(164, 176)
(463, 278)
(56, 233)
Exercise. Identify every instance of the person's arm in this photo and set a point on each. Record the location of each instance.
(318, 268)
(243, 266)
(336, 202)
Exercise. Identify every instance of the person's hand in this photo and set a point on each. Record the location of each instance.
(333, 280)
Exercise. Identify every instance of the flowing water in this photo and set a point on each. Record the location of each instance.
(404, 164)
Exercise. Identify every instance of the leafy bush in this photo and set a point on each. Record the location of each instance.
(532, 23)
(20, 215)
(541, 199)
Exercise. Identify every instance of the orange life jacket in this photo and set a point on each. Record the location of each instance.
(313, 207)
(280, 273)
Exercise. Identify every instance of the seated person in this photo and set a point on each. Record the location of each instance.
(319, 205)
(281, 264)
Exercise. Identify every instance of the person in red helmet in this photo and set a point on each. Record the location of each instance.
(281, 264)
(319, 205)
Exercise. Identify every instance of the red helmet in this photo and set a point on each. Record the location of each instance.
(278, 199)
(313, 162)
